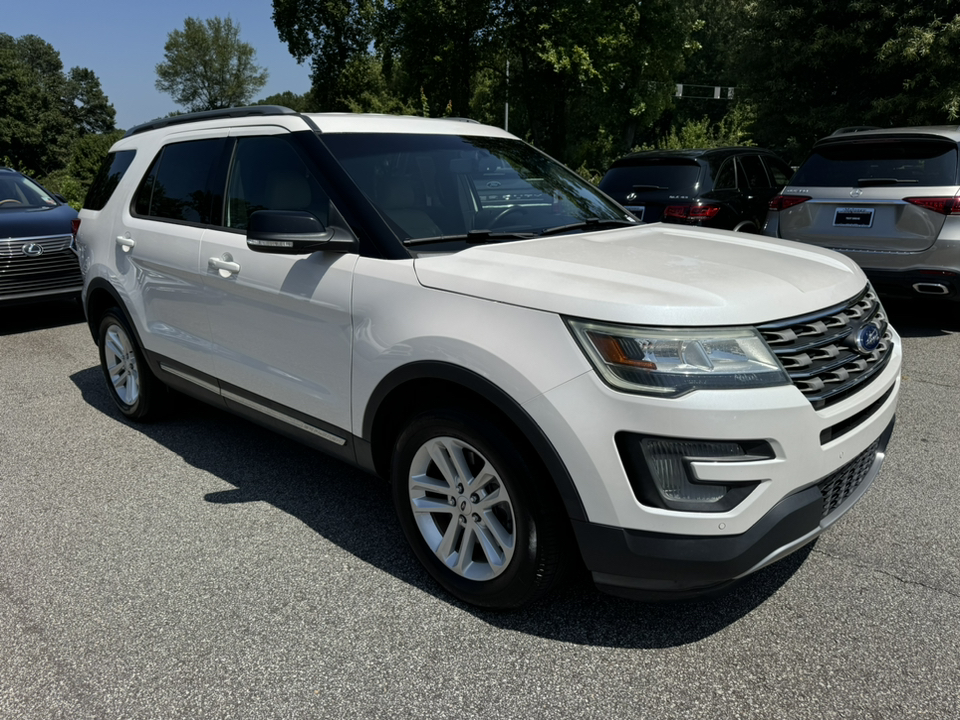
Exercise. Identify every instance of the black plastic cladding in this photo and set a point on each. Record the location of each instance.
(816, 352)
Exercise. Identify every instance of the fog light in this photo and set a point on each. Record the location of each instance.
(662, 476)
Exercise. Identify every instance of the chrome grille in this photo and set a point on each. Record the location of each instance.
(57, 269)
(819, 354)
(840, 485)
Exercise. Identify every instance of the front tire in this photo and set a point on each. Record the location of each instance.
(131, 383)
(480, 516)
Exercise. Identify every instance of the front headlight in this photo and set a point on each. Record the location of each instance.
(669, 363)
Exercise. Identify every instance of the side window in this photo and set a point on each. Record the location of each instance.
(726, 176)
(779, 171)
(268, 173)
(178, 184)
(107, 178)
(753, 171)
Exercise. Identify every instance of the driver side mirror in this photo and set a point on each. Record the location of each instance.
(293, 232)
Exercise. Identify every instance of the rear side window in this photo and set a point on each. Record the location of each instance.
(753, 171)
(178, 184)
(682, 178)
(779, 171)
(111, 171)
(889, 162)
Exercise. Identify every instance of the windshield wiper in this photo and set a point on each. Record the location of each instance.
(588, 224)
(870, 182)
(474, 237)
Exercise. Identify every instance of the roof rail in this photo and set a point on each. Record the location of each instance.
(233, 112)
(853, 129)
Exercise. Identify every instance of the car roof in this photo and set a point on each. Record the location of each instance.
(690, 154)
(948, 132)
(320, 122)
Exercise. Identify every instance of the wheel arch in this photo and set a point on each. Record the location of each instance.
(100, 297)
(421, 385)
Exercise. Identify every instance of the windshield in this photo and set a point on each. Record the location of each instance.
(19, 193)
(468, 188)
(895, 161)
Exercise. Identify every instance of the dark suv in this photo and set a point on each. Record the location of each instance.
(37, 260)
(727, 188)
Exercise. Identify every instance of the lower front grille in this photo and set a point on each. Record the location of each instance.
(841, 484)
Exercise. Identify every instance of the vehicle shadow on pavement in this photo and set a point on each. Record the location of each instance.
(18, 319)
(923, 318)
(354, 510)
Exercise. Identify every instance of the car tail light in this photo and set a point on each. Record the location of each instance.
(942, 205)
(691, 212)
(782, 202)
(75, 227)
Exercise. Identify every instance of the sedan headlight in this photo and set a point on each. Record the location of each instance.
(669, 363)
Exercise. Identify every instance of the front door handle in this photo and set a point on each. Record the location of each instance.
(225, 265)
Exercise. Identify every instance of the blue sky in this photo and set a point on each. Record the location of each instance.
(122, 42)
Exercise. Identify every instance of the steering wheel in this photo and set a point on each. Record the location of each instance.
(505, 214)
(10, 200)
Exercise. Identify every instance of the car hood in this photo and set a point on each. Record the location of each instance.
(653, 274)
(36, 222)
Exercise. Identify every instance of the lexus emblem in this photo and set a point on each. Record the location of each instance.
(32, 249)
(856, 192)
(867, 339)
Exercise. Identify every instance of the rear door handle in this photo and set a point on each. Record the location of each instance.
(126, 243)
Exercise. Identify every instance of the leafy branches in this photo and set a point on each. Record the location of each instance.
(207, 67)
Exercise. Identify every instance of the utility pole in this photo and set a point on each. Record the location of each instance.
(506, 104)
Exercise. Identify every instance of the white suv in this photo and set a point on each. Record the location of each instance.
(542, 379)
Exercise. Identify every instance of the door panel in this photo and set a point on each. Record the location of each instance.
(280, 324)
(158, 250)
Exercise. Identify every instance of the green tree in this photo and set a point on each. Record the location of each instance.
(812, 67)
(301, 103)
(585, 77)
(43, 110)
(331, 34)
(207, 67)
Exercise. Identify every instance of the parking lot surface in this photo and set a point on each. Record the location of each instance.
(202, 567)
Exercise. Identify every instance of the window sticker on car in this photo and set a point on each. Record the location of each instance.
(637, 211)
(854, 217)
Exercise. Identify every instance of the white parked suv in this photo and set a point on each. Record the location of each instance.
(543, 380)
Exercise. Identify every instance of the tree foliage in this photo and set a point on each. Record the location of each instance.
(207, 67)
(585, 76)
(44, 110)
(812, 67)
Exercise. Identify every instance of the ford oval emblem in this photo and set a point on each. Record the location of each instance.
(32, 249)
(867, 338)
(493, 184)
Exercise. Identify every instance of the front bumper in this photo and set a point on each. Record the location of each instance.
(649, 565)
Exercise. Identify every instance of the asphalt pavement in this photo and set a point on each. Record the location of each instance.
(201, 567)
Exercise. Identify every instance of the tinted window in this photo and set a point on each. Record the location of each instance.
(753, 171)
(177, 186)
(893, 161)
(779, 171)
(111, 170)
(726, 177)
(268, 174)
(679, 177)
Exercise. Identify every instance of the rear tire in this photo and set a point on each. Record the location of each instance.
(480, 515)
(132, 385)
